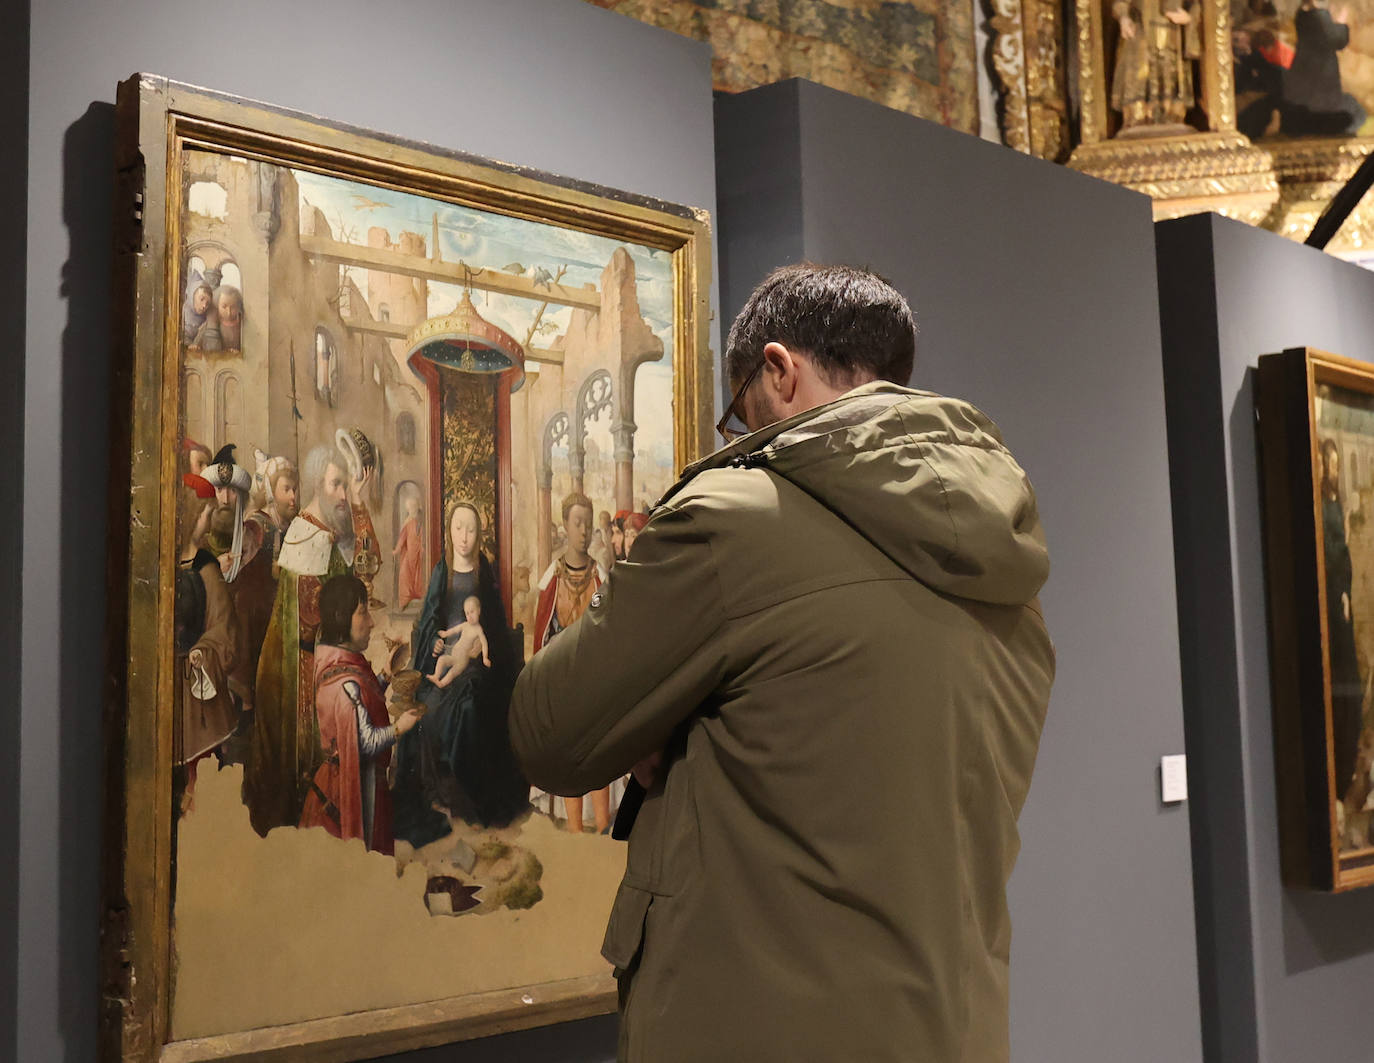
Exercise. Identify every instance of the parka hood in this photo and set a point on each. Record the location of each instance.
(925, 478)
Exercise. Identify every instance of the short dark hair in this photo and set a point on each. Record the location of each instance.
(339, 599)
(850, 322)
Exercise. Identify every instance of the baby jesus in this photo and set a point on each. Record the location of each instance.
(471, 643)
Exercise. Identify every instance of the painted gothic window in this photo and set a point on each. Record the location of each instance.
(228, 410)
(326, 368)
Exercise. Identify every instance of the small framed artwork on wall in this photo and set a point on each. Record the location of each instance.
(1316, 434)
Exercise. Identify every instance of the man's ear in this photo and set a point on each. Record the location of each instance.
(780, 371)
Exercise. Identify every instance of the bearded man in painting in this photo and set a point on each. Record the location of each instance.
(242, 542)
(206, 645)
(319, 543)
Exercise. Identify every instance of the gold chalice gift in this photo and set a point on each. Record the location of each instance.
(403, 687)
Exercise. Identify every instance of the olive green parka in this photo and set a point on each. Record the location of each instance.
(831, 626)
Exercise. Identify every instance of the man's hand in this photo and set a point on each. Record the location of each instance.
(196, 658)
(1178, 18)
(406, 721)
(646, 771)
(358, 485)
(202, 525)
(1127, 29)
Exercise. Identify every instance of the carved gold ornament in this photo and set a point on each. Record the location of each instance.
(1221, 172)
(1310, 171)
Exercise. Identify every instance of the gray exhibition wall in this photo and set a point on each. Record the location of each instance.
(1285, 974)
(608, 100)
(1035, 292)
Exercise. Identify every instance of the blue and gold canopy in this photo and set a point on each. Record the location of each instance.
(466, 341)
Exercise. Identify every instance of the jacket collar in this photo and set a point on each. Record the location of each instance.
(754, 449)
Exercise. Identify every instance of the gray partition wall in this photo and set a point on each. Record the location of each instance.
(1035, 292)
(1285, 974)
(556, 85)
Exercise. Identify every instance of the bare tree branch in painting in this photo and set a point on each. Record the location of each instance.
(539, 313)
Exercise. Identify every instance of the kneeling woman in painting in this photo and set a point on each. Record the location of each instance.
(348, 795)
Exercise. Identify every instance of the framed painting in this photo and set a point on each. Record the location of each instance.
(385, 414)
(1316, 434)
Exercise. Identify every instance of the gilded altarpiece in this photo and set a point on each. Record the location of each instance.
(1310, 171)
(1027, 57)
(1157, 108)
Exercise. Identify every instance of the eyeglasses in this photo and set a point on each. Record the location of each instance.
(730, 431)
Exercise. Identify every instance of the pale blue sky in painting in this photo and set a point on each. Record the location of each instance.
(493, 241)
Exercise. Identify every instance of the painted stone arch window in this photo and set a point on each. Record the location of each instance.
(383, 312)
(228, 410)
(405, 433)
(212, 309)
(195, 406)
(326, 368)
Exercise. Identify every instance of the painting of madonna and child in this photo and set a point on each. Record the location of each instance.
(416, 437)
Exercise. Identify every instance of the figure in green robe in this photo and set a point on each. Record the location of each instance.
(321, 542)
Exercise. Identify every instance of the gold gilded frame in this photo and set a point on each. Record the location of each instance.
(157, 121)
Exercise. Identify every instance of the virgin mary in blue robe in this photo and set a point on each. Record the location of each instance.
(459, 755)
